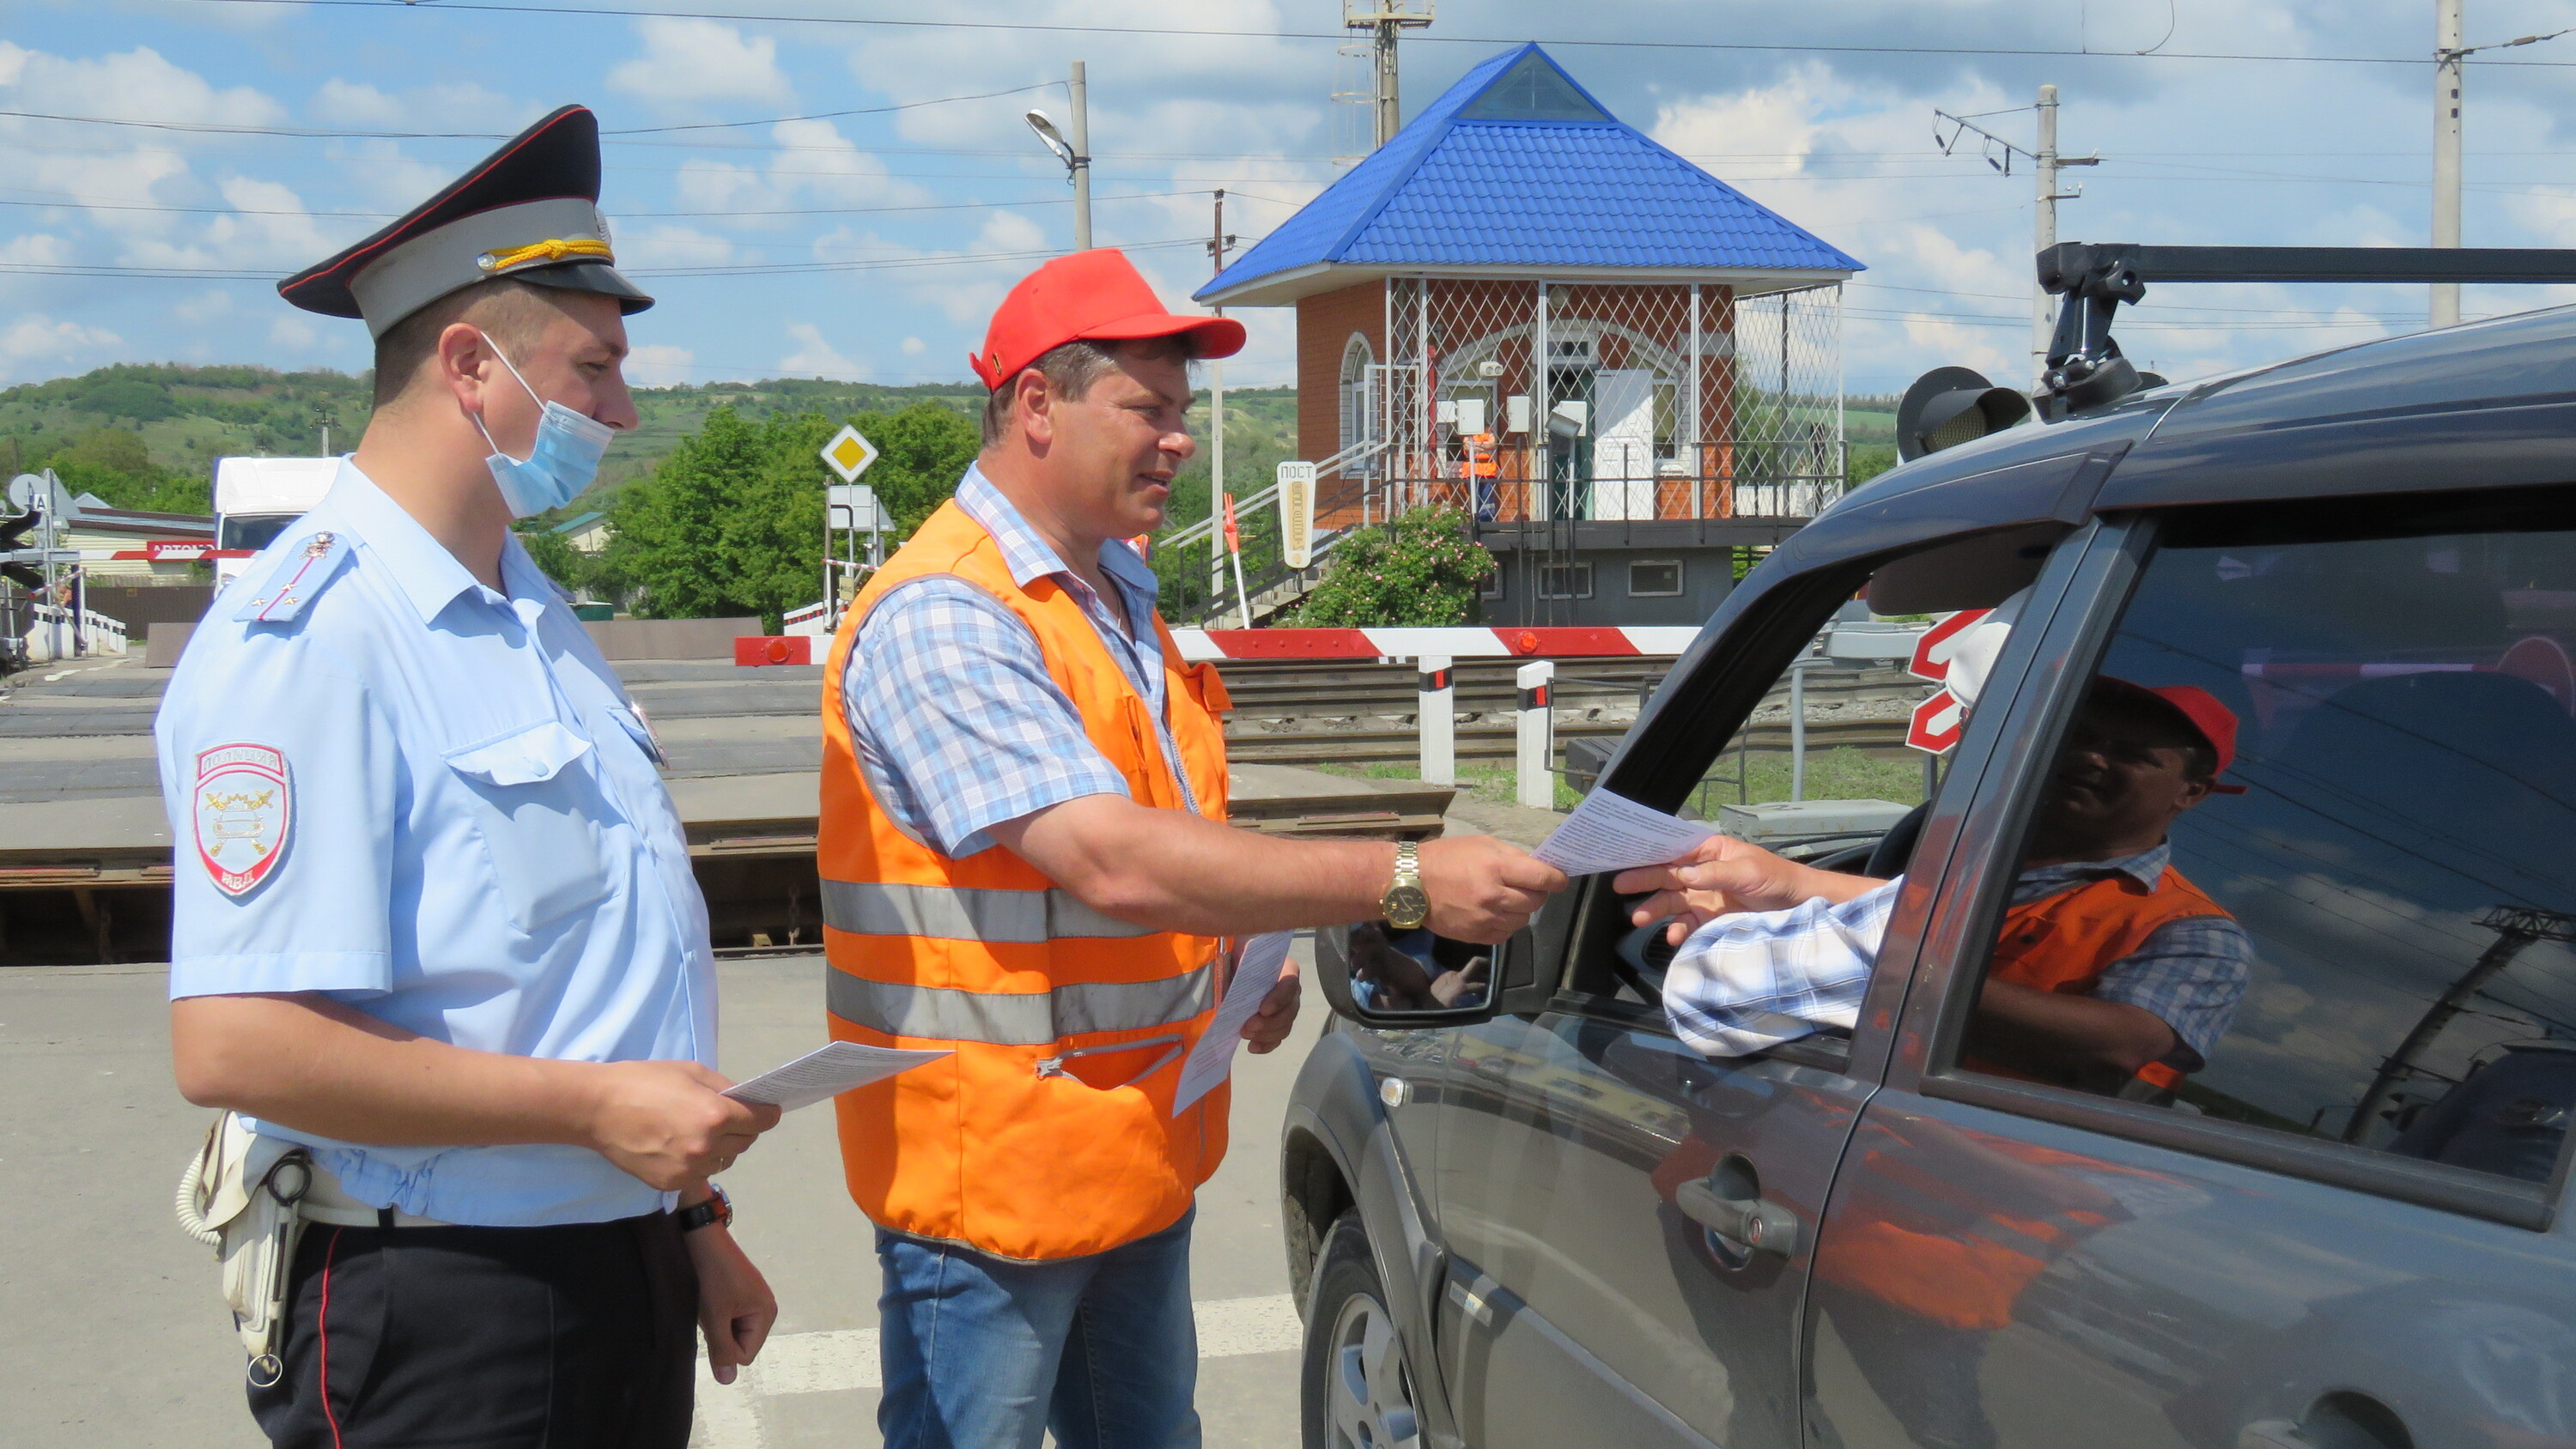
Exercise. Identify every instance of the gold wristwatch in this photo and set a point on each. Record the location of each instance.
(1404, 905)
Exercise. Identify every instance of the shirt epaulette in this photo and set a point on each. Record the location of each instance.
(298, 579)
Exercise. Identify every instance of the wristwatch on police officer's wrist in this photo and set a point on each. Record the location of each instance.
(1404, 905)
(717, 1209)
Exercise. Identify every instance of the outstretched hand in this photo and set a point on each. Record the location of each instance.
(1724, 876)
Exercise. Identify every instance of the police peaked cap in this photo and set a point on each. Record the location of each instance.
(529, 212)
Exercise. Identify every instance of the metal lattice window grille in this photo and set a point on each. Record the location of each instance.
(1677, 401)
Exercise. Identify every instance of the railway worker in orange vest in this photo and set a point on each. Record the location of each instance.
(2112, 973)
(1025, 860)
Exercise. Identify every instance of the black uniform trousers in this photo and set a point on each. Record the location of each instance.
(575, 1337)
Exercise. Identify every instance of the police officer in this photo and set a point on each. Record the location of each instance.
(433, 917)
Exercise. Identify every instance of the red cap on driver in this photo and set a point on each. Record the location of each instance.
(1093, 296)
(2214, 722)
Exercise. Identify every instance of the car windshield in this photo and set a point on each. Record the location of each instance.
(252, 531)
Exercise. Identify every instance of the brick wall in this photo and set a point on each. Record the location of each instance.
(1325, 323)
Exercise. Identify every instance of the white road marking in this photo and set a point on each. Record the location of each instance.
(846, 1358)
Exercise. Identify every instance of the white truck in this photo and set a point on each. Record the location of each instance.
(256, 499)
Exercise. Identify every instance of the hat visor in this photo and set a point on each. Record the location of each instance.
(597, 277)
(1216, 336)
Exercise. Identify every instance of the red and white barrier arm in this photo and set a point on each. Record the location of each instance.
(1662, 641)
(1530, 643)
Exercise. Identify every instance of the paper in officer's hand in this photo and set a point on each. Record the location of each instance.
(1610, 832)
(1212, 1060)
(828, 1072)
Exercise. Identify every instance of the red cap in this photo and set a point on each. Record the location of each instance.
(1093, 296)
(2214, 722)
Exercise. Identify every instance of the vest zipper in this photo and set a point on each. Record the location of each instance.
(1054, 1066)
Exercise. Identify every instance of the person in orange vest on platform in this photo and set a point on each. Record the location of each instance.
(1026, 863)
(2112, 974)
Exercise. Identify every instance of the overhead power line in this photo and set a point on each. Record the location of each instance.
(742, 269)
(88, 204)
(633, 12)
(319, 133)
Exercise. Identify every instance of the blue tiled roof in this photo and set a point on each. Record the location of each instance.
(1486, 188)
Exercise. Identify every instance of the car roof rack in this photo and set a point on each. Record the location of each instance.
(2085, 368)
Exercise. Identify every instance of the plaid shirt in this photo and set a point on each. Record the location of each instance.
(958, 724)
(1747, 982)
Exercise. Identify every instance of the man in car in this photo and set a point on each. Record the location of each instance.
(2112, 973)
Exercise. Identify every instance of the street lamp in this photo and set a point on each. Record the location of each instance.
(1074, 152)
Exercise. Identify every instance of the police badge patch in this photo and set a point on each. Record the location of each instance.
(242, 813)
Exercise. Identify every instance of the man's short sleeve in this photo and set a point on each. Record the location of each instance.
(282, 782)
(957, 720)
(2191, 974)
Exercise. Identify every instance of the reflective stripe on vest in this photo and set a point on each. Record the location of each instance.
(962, 913)
(1018, 1018)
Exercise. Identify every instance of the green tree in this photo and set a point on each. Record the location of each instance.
(1422, 570)
(113, 464)
(921, 453)
(669, 525)
(562, 562)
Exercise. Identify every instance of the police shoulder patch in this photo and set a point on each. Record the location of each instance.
(297, 579)
(242, 808)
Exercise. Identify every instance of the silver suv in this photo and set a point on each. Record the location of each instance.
(1528, 1216)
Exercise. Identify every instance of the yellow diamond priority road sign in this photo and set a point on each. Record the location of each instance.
(848, 454)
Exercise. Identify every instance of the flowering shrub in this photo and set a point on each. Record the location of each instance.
(1422, 570)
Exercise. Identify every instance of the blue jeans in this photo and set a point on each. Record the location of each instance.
(988, 1353)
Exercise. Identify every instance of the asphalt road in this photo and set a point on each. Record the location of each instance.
(122, 1334)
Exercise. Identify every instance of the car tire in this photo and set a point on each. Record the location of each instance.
(1358, 1378)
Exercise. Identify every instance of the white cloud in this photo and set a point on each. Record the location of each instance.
(352, 103)
(688, 61)
(204, 307)
(38, 340)
(36, 249)
(815, 357)
(659, 364)
(914, 347)
(664, 245)
(294, 332)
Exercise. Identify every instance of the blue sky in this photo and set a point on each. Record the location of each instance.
(872, 244)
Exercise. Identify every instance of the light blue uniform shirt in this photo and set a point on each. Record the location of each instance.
(470, 840)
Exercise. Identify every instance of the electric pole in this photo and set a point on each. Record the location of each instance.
(2449, 33)
(2448, 28)
(2046, 161)
(1385, 21)
(1081, 160)
(1218, 245)
(2042, 325)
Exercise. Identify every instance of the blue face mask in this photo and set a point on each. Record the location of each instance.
(562, 462)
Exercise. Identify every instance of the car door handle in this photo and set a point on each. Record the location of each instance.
(1763, 1226)
(2272, 1434)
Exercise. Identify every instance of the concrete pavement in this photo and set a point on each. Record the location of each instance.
(123, 1335)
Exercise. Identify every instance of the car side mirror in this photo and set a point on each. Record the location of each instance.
(1412, 980)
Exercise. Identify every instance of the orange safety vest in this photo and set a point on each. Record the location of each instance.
(2065, 942)
(1960, 1252)
(1049, 1133)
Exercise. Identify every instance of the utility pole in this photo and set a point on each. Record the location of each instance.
(2516, 927)
(1385, 21)
(2044, 233)
(2448, 28)
(2046, 161)
(1081, 160)
(1218, 245)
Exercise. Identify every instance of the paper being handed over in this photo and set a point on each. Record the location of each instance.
(828, 1072)
(1255, 972)
(1610, 832)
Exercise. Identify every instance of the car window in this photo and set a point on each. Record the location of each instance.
(2305, 857)
(1819, 772)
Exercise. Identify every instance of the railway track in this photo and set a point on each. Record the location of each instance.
(1480, 742)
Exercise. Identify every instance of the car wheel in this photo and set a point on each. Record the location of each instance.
(1358, 1383)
